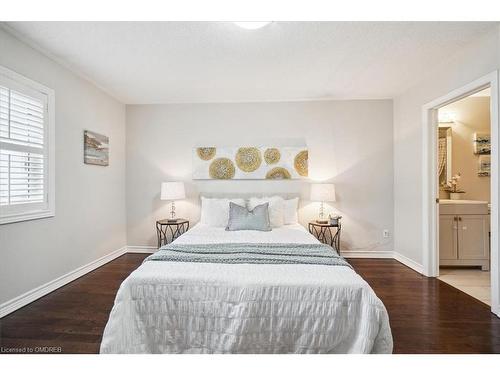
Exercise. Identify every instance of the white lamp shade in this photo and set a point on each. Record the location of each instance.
(171, 191)
(323, 192)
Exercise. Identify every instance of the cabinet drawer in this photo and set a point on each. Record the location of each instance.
(463, 209)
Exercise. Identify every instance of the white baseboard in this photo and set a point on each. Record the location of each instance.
(408, 262)
(384, 254)
(34, 294)
(141, 249)
(366, 254)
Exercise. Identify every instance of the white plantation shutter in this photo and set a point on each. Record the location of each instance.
(21, 178)
(24, 164)
(21, 118)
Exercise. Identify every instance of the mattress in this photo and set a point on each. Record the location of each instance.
(178, 307)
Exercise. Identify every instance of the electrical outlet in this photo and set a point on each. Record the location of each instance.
(385, 233)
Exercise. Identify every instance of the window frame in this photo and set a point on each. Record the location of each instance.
(31, 211)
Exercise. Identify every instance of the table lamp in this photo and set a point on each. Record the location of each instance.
(172, 191)
(322, 193)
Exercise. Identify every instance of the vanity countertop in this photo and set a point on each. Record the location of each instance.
(461, 201)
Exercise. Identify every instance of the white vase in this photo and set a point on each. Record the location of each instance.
(456, 196)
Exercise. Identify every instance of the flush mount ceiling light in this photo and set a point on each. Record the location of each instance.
(252, 25)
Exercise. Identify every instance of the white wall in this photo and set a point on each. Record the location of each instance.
(470, 63)
(90, 219)
(350, 143)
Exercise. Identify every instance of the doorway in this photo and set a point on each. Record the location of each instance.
(463, 168)
(455, 233)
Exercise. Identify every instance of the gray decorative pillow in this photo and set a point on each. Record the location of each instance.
(240, 218)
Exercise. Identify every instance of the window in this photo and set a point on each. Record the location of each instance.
(26, 149)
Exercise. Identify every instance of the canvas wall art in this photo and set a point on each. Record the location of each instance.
(95, 149)
(482, 143)
(484, 166)
(253, 163)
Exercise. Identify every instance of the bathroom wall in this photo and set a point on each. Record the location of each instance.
(471, 115)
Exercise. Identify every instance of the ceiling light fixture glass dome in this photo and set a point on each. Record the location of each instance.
(252, 25)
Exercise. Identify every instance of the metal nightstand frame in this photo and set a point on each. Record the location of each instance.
(176, 228)
(323, 232)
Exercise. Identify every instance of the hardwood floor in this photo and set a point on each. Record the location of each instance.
(426, 315)
(72, 317)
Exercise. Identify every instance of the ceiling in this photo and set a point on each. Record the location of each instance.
(164, 62)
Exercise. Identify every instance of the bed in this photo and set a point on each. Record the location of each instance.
(204, 307)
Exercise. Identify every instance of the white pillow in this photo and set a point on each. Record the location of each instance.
(290, 211)
(215, 211)
(276, 208)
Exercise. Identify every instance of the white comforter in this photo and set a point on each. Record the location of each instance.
(167, 307)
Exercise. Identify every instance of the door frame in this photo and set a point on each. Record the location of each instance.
(430, 185)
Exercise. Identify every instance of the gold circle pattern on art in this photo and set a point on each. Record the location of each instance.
(248, 159)
(221, 169)
(206, 153)
(278, 173)
(272, 155)
(301, 163)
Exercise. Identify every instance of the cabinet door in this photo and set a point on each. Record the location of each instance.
(448, 248)
(473, 237)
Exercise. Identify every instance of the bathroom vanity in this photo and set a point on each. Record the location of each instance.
(464, 227)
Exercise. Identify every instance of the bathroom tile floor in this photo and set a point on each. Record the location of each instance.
(474, 282)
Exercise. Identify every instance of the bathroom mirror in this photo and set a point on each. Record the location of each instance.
(444, 155)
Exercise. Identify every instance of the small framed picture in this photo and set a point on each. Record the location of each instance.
(484, 166)
(482, 144)
(95, 148)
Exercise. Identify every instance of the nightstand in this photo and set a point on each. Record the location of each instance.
(326, 234)
(175, 228)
